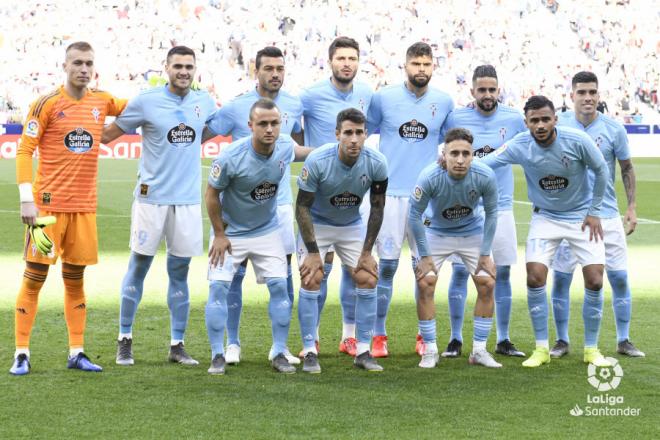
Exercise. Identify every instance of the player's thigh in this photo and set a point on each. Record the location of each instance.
(349, 241)
(616, 248)
(324, 241)
(285, 221)
(393, 229)
(80, 241)
(147, 227)
(183, 230)
(55, 232)
(267, 256)
(505, 242)
(543, 239)
(239, 252)
(469, 253)
(586, 251)
(441, 248)
(564, 259)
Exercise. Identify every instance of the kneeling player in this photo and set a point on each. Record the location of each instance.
(241, 199)
(453, 191)
(332, 183)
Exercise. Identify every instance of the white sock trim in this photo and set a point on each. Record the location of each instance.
(543, 343)
(75, 351)
(478, 346)
(125, 335)
(25, 351)
(175, 341)
(347, 331)
(361, 348)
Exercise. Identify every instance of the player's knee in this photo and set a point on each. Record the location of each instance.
(503, 273)
(459, 272)
(365, 280)
(485, 285)
(593, 276)
(313, 283)
(426, 288)
(329, 257)
(618, 280)
(535, 279)
(387, 268)
(177, 267)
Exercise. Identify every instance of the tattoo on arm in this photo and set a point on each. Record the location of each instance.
(629, 181)
(304, 219)
(375, 220)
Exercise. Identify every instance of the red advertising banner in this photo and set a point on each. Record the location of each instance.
(124, 147)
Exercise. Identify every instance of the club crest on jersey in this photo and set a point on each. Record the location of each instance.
(413, 131)
(434, 108)
(473, 195)
(345, 200)
(456, 212)
(566, 161)
(32, 128)
(282, 166)
(553, 184)
(79, 140)
(417, 193)
(96, 113)
(198, 111)
(361, 103)
(364, 180)
(483, 151)
(264, 192)
(61, 115)
(503, 133)
(181, 135)
(285, 118)
(304, 174)
(216, 170)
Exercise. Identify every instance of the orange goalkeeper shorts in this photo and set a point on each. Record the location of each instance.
(74, 239)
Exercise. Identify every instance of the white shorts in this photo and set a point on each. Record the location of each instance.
(266, 253)
(505, 242)
(285, 220)
(181, 225)
(545, 235)
(616, 251)
(394, 229)
(347, 242)
(465, 249)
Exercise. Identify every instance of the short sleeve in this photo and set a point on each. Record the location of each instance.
(133, 115)
(308, 180)
(220, 173)
(222, 122)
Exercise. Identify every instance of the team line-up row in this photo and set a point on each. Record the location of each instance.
(458, 207)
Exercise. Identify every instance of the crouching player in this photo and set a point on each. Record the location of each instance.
(241, 199)
(451, 190)
(332, 183)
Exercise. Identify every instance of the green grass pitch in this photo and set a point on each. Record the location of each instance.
(155, 399)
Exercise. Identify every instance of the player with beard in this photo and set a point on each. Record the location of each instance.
(232, 119)
(411, 118)
(556, 162)
(167, 202)
(491, 125)
(610, 136)
(322, 102)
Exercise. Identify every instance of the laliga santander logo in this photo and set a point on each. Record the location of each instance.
(605, 378)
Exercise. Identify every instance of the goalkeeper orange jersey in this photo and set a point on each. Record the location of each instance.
(67, 133)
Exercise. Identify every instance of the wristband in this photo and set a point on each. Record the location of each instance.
(25, 192)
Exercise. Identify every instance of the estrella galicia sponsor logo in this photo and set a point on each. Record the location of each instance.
(79, 140)
(456, 213)
(181, 135)
(483, 151)
(345, 200)
(264, 192)
(553, 184)
(413, 131)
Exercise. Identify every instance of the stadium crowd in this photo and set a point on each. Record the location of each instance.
(538, 44)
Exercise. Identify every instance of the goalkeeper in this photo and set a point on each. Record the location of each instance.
(66, 126)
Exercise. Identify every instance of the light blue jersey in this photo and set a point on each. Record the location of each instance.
(321, 104)
(411, 129)
(557, 178)
(448, 206)
(339, 188)
(490, 132)
(610, 136)
(249, 183)
(232, 119)
(169, 172)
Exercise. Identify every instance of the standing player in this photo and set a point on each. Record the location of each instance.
(411, 118)
(332, 183)
(321, 104)
(454, 225)
(556, 161)
(610, 137)
(65, 126)
(232, 119)
(491, 125)
(242, 205)
(167, 199)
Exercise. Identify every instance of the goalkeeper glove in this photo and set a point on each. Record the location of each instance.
(40, 239)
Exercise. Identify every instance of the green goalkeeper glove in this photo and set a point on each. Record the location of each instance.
(40, 239)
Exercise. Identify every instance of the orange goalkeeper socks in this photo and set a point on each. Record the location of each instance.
(75, 311)
(26, 303)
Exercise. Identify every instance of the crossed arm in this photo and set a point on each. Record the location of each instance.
(630, 186)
